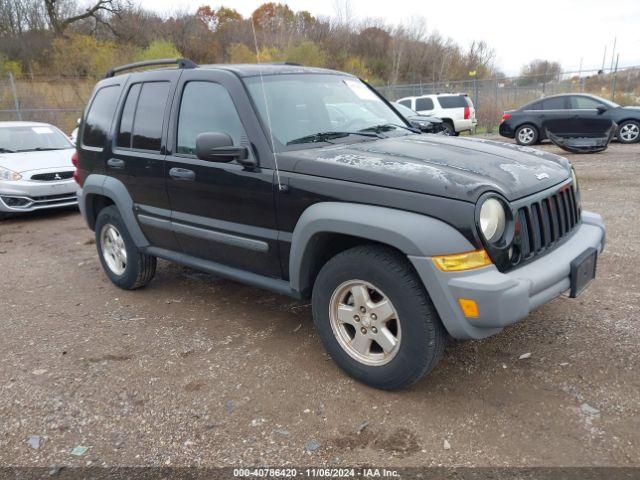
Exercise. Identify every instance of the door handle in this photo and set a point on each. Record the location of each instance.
(182, 174)
(115, 163)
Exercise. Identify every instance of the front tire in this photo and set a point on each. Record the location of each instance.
(447, 129)
(121, 260)
(527, 135)
(376, 319)
(629, 132)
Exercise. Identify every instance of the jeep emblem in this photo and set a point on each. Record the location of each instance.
(542, 176)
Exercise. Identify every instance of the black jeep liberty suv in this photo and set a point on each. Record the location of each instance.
(307, 182)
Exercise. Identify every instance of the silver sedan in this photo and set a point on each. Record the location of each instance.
(36, 171)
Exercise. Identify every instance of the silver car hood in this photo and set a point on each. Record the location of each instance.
(21, 162)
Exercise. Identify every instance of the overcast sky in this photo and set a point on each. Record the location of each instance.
(560, 30)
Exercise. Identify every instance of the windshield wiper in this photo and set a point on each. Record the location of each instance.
(39, 149)
(385, 127)
(6, 150)
(326, 136)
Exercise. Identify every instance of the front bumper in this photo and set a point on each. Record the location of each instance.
(505, 298)
(27, 196)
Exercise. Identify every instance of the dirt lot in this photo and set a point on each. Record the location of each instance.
(197, 370)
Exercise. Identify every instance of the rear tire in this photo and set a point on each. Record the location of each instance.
(629, 132)
(360, 282)
(124, 264)
(527, 135)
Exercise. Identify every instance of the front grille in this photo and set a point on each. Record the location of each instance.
(52, 176)
(545, 222)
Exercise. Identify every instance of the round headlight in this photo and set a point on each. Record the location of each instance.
(574, 179)
(492, 220)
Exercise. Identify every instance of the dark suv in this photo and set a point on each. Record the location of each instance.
(397, 237)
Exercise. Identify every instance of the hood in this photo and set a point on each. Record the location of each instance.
(21, 162)
(426, 118)
(438, 165)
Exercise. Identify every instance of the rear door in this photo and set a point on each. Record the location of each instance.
(221, 212)
(138, 156)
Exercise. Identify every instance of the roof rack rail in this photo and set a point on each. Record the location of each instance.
(181, 62)
(293, 64)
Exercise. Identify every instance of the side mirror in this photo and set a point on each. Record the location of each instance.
(218, 147)
(601, 109)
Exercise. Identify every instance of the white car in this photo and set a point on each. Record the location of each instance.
(36, 170)
(455, 109)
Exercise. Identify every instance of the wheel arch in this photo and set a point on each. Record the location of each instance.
(100, 191)
(327, 228)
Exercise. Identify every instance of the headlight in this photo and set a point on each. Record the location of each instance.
(492, 220)
(6, 174)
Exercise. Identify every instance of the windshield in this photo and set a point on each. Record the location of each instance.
(302, 106)
(27, 138)
(406, 111)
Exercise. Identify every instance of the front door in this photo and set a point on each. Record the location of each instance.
(221, 212)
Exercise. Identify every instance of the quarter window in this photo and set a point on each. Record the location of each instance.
(100, 115)
(206, 107)
(406, 103)
(453, 101)
(424, 104)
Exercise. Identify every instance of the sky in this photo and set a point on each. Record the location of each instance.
(566, 31)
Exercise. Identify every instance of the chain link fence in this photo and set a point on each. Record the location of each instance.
(493, 96)
(61, 100)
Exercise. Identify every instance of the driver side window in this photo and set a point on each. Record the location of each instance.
(206, 107)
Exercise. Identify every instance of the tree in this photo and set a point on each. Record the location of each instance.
(159, 49)
(540, 71)
(240, 53)
(62, 14)
(307, 53)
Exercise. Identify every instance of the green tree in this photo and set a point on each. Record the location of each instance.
(307, 53)
(158, 49)
(240, 53)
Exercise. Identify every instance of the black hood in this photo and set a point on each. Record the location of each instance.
(439, 165)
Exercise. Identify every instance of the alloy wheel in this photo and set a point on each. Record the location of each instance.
(629, 132)
(526, 135)
(365, 322)
(113, 248)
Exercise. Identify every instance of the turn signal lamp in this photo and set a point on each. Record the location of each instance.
(462, 261)
(469, 308)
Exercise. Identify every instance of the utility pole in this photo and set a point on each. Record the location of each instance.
(604, 57)
(613, 53)
(580, 75)
(14, 91)
(613, 80)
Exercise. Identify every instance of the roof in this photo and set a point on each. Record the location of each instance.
(24, 124)
(256, 69)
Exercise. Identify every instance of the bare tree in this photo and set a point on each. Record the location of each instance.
(63, 13)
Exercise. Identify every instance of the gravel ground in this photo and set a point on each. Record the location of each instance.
(197, 370)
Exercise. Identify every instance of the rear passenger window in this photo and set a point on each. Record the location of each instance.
(100, 115)
(206, 107)
(554, 103)
(147, 122)
(128, 113)
(406, 103)
(453, 101)
(424, 104)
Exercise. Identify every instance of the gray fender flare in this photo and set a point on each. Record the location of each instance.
(411, 233)
(114, 189)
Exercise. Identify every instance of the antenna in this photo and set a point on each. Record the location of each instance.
(266, 107)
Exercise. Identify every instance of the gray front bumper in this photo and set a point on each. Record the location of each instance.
(505, 298)
(27, 196)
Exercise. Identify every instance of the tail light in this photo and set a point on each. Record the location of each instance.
(76, 174)
(467, 113)
(506, 116)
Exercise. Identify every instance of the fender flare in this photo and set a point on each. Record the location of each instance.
(411, 233)
(96, 184)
